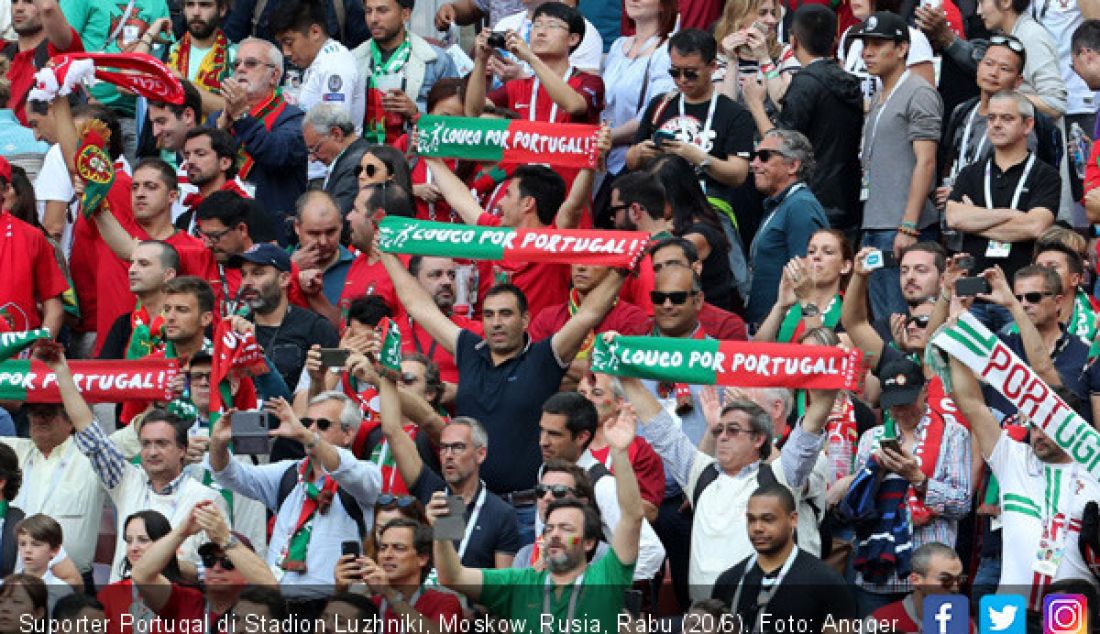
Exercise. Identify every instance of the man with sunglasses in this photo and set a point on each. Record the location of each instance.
(707, 129)
(937, 570)
(1077, 308)
(1002, 204)
(268, 128)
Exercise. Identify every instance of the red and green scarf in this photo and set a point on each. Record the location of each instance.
(382, 126)
(146, 333)
(792, 327)
(268, 112)
(574, 305)
(214, 66)
(318, 500)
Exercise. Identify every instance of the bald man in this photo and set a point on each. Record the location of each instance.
(318, 222)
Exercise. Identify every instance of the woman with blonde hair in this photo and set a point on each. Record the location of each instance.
(748, 44)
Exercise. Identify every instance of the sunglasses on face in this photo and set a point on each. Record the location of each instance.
(195, 377)
(1011, 41)
(732, 430)
(676, 297)
(209, 560)
(921, 321)
(559, 491)
(766, 155)
(1032, 298)
(689, 74)
(322, 423)
(370, 169)
(949, 582)
(400, 501)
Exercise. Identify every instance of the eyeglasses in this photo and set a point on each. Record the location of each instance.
(921, 321)
(209, 561)
(689, 74)
(732, 430)
(1032, 298)
(195, 377)
(408, 378)
(213, 237)
(559, 491)
(766, 155)
(370, 169)
(400, 501)
(949, 582)
(676, 297)
(316, 146)
(250, 63)
(1011, 41)
(542, 25)
(456, 447)
(322, 423)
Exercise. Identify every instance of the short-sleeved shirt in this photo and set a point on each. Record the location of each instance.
(1043, 188)
(913, 112)
(1070, 356)
(31, 272)
(434, 605)
(730, 133)
(519, 593)
(851, 57)
(648, 468)
(496, 529)
(365, 279)
(516, 95)
(24, 66)
(333, 77)
(288, 344)
(624, 318)
(507, 399)
(544, 283)
(415, 339)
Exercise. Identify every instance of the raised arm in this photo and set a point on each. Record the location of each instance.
(454, 191)
(448, 565)
(254, 569)
(420, 304)
(291, 428)
(409, 464)
(475, 86)
(853, 313)
(665, 436)
(58, 31)
(567, 341)
(147, 573)
(554, 84)
(1035, 351)
(580, 194)
(122, 244)
(620, 434)
(968, 396)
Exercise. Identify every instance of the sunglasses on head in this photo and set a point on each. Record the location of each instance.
(400, 501)
(676, 297)
(1032, 298)
(209, 560)
(322, 423)
(559, 491)
(689, 74)
(766, 155)
(1011, 41)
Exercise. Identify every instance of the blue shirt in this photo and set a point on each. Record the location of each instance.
(1070, 357)
(15, 139)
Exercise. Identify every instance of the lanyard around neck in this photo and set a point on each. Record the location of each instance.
(472, 521)
(964, 160)
(574, 595)
(869, 140)
(1015, 204)
(765, 596)
(554, 104)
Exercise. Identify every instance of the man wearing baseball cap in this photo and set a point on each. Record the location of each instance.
(31, 272)
(900, 136)
(923, 451)
(284, 332)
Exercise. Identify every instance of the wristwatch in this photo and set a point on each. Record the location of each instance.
(232, 542)
(702, 167)
(810, 310)
(313, 441)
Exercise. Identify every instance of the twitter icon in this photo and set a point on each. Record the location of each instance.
(1003, 614)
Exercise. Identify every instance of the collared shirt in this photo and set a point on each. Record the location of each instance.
(719, 539)
(129, 487)
(63, 486)
(361, 479)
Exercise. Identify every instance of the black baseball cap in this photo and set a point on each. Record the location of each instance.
(883, 25)
(902, 380)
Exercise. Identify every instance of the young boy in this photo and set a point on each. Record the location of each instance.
(39, 540)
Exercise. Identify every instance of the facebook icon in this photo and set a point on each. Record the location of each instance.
(946, 614)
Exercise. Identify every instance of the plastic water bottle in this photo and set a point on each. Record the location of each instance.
(1079, 146)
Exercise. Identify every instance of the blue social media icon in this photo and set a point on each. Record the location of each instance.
(1003, 614)
(946, 614)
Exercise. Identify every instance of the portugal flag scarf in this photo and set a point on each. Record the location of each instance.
(214, 66)
(268, 112)
(318, 500)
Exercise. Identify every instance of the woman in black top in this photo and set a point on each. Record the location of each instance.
(694, 219)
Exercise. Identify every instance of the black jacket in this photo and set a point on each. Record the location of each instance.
(826, 104)
(9, 550)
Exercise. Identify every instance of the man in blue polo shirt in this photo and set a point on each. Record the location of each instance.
(317, 222)
(505, 378)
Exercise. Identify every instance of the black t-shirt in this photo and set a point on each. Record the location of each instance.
(731, 130)
(1043, 188)
(286, 346)
(496, 530)
(812, 593)
(118, 338)
(507, 399)
(717, 277)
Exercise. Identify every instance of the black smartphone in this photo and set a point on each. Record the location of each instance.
(971, 286)
(660, 136)
(890, 443)
(334, 357)
(250, 433)
(889, 260)
(352, 548)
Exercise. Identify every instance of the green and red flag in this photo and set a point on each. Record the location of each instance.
(11, 343)
(508, 141)
(410, 236)
(390, 355)
(236, 355)
(98, 381)
(737, 363)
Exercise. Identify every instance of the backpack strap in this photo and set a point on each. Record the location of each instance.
(596, 472)
(765, 475)
(709, 475)
(351, 505)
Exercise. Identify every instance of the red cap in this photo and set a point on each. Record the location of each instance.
(5, 169)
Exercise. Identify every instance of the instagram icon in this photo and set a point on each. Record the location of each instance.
(1065, 614)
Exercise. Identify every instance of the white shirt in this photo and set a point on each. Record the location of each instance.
(1061, 18)
(851, 58)
(55, 185)
(623, 87)
(333, 77)
(1022, 478)
(65, 487)
(588, 56)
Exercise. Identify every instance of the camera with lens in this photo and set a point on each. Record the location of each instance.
(498, 39)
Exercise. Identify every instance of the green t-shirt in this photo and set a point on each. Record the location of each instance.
(97, 21)
(518, 593)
